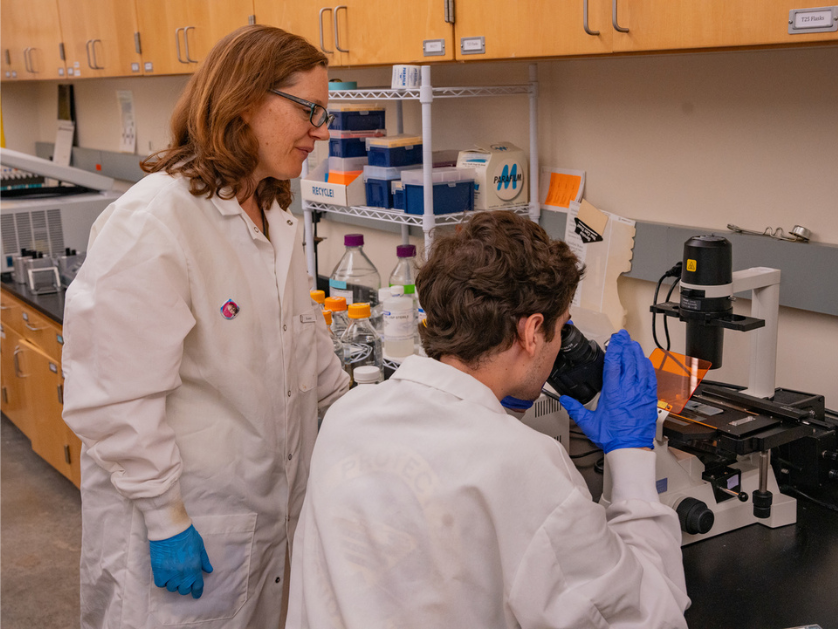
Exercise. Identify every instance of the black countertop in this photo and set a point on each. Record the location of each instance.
(51, 305)
(756, 577)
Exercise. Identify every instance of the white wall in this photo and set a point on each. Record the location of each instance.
(695, 139)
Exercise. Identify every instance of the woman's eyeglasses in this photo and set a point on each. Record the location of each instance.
(318, 116)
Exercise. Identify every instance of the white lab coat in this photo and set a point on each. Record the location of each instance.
(429, 506)
(178, 405)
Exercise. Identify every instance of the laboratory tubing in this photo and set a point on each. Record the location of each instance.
(361, 343)
(399, 323)
(319, 297)
(340, 321)
(337, 346)
(355, 277)
(367, 375)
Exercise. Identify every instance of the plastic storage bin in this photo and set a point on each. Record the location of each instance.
(348, 144)
(397, 189)
(377, 180)
(396, 150)
(453, 190)
(350, 117)
(347, 164)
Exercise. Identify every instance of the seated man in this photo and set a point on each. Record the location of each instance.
(430, 507)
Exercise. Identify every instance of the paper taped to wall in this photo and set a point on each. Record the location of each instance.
(558, 187)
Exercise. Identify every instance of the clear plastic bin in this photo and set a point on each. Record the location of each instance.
(377, 180)
(347, 164)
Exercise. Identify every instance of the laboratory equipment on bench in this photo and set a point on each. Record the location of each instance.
(49, 219)
(714, 454)
(399, 323)
(361, 343)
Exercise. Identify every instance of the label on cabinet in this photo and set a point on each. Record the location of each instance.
(53, 368)
(60, 71)
(473, 45)
(820, 20)
(433, 47)
(135, 67)
(149, 66)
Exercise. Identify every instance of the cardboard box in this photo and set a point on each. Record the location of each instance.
(316, 189)
(501, 175)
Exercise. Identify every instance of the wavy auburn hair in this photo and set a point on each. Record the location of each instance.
(480, 280)
(212, 146)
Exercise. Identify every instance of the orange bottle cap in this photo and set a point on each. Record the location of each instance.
(359, 311)
(336, 304)
(318, 296)
(327, 314)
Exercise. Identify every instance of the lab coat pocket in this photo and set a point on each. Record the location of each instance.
(228, 540)
(305, 349)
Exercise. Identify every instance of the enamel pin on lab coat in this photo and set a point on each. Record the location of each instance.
(230, 309)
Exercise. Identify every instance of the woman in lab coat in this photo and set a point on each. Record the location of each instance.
(195, 359)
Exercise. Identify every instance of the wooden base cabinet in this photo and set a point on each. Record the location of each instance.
(33, 384)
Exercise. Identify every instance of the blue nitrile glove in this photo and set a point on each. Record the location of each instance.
(626, 414)
(177, 563)
(514, 404)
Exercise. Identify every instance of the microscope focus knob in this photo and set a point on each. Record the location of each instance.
(694, 516)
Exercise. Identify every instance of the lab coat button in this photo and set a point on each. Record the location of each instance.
(278, 579)
(256, 229)
(289, 393)
(290, 456)
(284, 328)
(290, 223)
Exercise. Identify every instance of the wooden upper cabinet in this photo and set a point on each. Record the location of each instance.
(381, 32)
(99, 37)
(532, 28)
(31, 43)
(679, 24)
(311, 19)
(176, 36)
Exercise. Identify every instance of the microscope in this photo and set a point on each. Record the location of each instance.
(714, 441)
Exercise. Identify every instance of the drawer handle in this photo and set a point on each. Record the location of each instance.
(617, 27)
(26, 323)
(67, 454)
(61, 396)
(322, 44)
(16, 360)
(337, 33)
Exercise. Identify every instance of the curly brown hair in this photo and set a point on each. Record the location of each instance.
(211, 144)
(480, 280)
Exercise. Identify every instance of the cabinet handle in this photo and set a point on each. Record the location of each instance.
(322, 44)
(67, 454)
(96, 65)
(617, 27)
(5, 395)
(137, 46)
(26, 323)
(186, 44)
(16, 361)
(26, 59)
(177, 44)
(87, 50)
(585, 19)
(8, 57)
(337, 34)
(61, 395)
(5, 307)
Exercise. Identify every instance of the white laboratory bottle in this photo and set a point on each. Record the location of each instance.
(377, 312)
(355, 277)
(399, 323)
(367, 376)
(337, 346)
(361, 343)
(339, 319)
(404, 273)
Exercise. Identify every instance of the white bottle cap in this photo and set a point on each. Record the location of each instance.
(396, 290)
(368, 374)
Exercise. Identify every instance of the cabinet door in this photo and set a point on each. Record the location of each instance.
(99, 37)
(12, 361)
(41, 39)
(51, 439)
(671, 25)
(176, 36)
(11, 59)
(533, 28)
(312, 19)
(378, 32)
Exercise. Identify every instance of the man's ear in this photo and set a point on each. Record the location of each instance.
(529, 329)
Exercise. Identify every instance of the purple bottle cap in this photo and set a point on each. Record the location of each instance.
(353, 240)
(406, 251)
